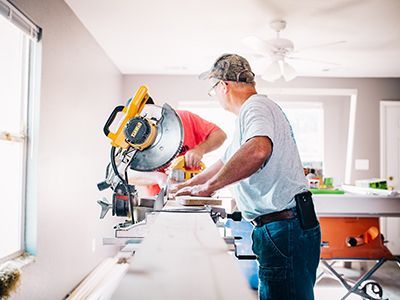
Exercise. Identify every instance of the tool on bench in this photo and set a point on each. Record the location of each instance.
(148, 138)
(179, 172)
(364, 238)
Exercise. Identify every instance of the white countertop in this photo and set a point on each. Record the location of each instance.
(357, 205)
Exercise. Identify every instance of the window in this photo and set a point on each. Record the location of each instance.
(307, 121)
(16, 46)
(213, 112)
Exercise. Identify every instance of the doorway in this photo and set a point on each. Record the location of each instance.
(390, 164)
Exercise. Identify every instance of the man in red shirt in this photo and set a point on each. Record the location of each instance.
(200, 137)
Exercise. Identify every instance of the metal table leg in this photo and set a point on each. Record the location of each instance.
(366, 276)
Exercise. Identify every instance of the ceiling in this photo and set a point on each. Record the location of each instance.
(185, 37)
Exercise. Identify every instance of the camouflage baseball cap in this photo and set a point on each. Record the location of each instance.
(230, 67)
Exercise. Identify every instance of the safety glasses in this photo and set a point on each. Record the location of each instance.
(211, 92)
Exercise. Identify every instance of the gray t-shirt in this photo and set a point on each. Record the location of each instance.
(273, 186)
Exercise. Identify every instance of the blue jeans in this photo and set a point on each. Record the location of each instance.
(288, 258)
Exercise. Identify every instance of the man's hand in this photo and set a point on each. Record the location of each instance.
(176, 187)
(202, 190)
(193, 157)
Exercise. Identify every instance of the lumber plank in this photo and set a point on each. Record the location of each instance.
(197, 201)
(183, 257)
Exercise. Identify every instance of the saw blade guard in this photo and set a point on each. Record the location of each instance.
(167, 142)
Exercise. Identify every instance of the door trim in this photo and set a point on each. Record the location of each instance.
(382, 128)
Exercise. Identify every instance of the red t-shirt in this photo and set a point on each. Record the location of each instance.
(196, 130)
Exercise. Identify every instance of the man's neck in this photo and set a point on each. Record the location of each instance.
(240, 99)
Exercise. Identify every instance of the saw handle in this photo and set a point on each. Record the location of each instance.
(200, 167)
(111, 119)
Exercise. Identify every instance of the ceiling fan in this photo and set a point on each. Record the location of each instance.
(280, 50)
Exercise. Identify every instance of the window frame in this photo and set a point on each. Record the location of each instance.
(285, 105)
(352, 95)
(30, 81)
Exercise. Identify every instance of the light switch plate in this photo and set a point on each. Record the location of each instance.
(362, 164)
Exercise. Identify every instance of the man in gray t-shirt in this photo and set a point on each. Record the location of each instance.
(264, 165)
(274, 185)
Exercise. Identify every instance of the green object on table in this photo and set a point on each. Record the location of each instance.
(326, 191)
(328, 182)
(382, 185)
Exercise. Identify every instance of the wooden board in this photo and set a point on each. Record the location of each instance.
(196, 201)
(183, 257)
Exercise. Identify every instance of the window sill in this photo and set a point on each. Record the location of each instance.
(21, 261)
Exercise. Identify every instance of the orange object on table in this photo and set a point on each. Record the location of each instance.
(337, 230)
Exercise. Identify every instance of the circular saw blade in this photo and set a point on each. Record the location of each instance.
(167, 143)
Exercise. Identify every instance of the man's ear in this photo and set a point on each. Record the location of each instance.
(225, 86)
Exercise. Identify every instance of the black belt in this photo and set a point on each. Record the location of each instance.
(275, 216)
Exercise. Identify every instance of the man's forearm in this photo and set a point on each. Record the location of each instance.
(213, 141)
(206, 175)
(247, 160)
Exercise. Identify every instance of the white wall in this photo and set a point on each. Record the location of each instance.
(79, 88)
(370, 91)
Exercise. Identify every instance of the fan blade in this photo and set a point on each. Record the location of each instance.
(337, 8)
(258, 45)
(320, 46)
(313, 60)
(273, 7)
(273, 72)
(253, 55)
(288, 71)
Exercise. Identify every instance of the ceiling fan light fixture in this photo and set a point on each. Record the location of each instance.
(279, 68)
(273, 72)
(288, 71)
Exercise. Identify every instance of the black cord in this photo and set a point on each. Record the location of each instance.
(124, 182)
(126, 171)
(107, 170)
(114, 165)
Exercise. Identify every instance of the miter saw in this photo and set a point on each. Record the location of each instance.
(147, 138)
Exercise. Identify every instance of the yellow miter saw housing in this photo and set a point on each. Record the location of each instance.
(134, 130)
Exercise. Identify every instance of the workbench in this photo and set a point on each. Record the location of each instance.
(353, 205)
(183, 256)
(353, 216)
